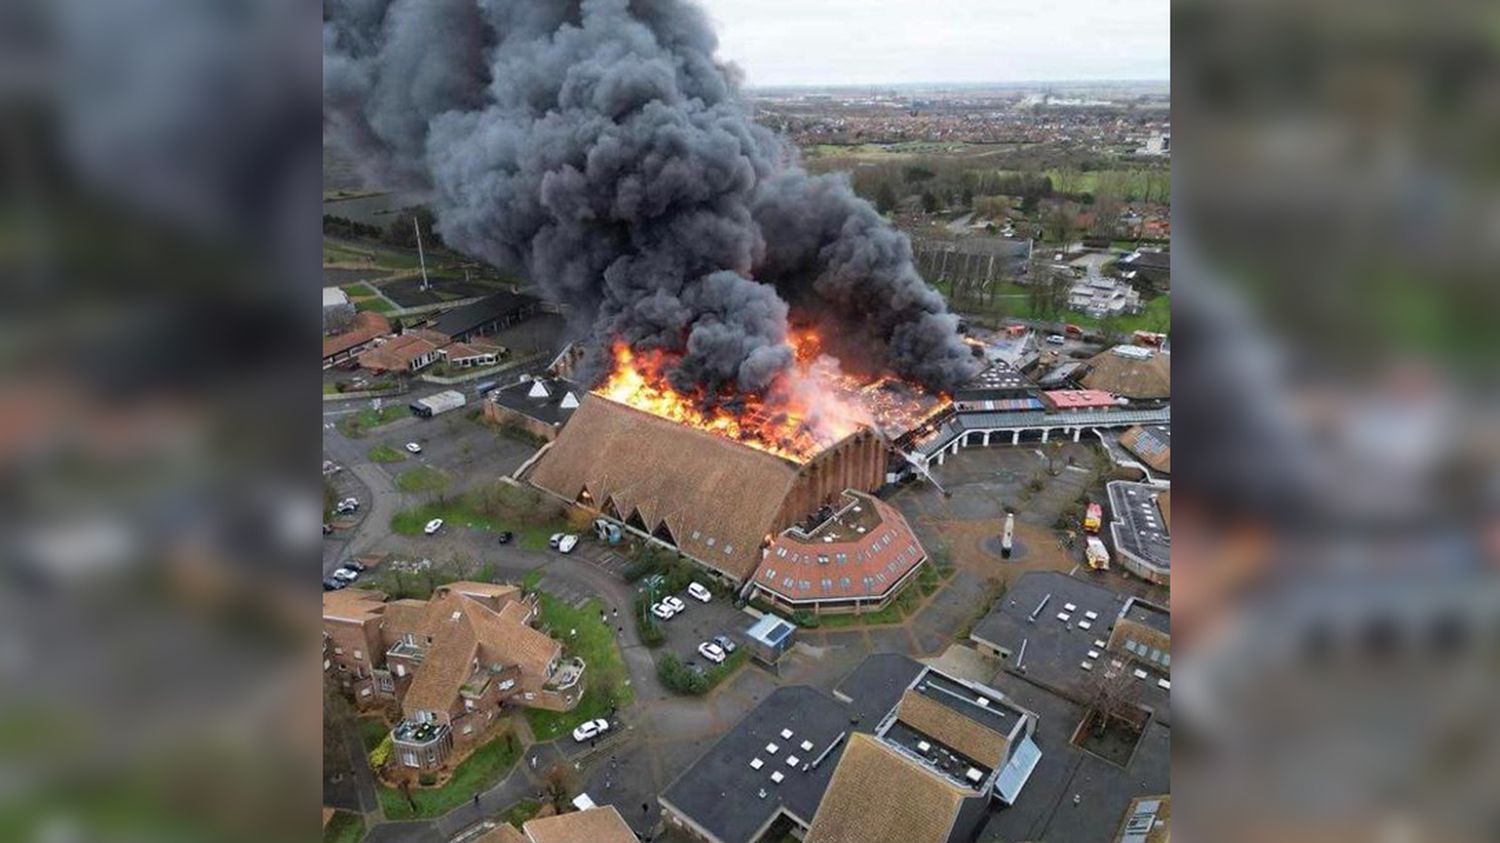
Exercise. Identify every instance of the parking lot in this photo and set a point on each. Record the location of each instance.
(467, 451)
(700, 622)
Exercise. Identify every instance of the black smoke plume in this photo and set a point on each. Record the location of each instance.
(597, 147)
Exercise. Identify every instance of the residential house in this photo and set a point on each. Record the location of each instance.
(362, 332)
(410, 352)
(451, 662)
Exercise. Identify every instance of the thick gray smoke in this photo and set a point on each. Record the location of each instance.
(597, 147)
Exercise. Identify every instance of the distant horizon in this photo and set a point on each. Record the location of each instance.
(995, 83)
(844, 43)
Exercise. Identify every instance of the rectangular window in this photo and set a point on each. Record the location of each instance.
(359, 655)
(1155, 654)
(338, 651)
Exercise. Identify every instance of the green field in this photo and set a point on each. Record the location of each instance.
(363, 422)
(422, 479)
(344, 827)
(583, 635)
(379, 305)
(360, 290)
(386, 454)
(485, 766)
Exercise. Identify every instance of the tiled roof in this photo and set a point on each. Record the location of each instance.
(955, 731)
(464, 630)
(718, 498)
(1132, 377)
(353, 604)
(878, 796)
(366, 326)
(595, 825)
(854, 564)
(1155, 449)
(398, 352)
(1069, 398)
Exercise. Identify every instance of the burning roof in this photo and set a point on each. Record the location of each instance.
(713, 497)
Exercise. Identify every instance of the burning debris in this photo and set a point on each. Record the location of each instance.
(598, 147)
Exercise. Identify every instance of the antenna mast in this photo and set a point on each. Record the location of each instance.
(420, 258)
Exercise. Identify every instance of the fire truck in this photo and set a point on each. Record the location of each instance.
(1096, 554)
(1092, 518)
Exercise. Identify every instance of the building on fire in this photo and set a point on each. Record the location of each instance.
(715, 500)
(451, 663)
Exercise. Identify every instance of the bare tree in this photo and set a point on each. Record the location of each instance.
(558, 784)
(1111, 695)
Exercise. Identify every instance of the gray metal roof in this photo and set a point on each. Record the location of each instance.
(965, 422)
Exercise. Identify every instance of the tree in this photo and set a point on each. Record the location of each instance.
(1111, 696)
(929, 201)
(1054, 450)
(885, 198)
(558, 784)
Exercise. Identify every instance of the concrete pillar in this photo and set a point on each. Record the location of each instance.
(1046, 431)
(1015, 437)
(1077, 432)
(941, 455)
(986, 439)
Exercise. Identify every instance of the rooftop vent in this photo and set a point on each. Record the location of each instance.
(974, 775)
(570, 402)
(786, 734)
(538, 390)
(771, 749)
(756, 763)
(923, 746)
(777, 777)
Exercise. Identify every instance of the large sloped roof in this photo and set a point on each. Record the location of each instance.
(1147, 376)
(877, 796)
(952, 729)
(718, 498)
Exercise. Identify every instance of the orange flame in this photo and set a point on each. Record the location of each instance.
(807, 409)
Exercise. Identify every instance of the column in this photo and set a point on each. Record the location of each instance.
(1015, 437)
(1077, 432)
(986, 439)
(1046, 431)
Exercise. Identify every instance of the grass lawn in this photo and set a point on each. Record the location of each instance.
(595, 644)
(360, 290)
(385, 453)
(421, 479)
(344, 827)
(485, 766)
(719, 672)
(378, 305)
(358, 424)
(521, 812)
(330, 389)
(372, 730)
(462, 511)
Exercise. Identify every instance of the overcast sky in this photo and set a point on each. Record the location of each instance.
(822, 42)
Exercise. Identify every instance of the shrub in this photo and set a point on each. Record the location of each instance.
(381, 753)
(427, 779)
(678, 677)
(646, 625)
(806, 619)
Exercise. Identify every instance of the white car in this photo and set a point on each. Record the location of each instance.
(346, 574)
(1057, 339)
(700, 593)
(712, 652)
(590, 730)
(433, 526)
(675, 602)
(567, 543)
(663, 611)
(414, 447)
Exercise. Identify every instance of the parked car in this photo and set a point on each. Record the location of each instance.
(355, 565)
(726, 643)
(506, 537)
(433, 526)
(590, 730)
(346, 574)
(675, 602)
(333, 584)
(700, 593)
(413, 448)
(352, 503)
(555, 540)
(712, 652)
(1056, 339)
(563, 542)
(663, 611)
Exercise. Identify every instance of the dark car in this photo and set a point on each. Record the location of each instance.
(331, 584)
(506, 537)
(725, 643)
(358, 566)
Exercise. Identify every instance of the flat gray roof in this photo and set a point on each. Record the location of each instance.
(1137, 524)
